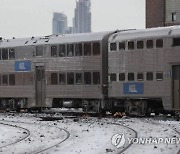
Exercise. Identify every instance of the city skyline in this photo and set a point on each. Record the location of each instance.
(26, 18)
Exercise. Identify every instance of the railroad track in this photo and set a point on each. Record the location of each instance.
(19, 140)
(38, 150)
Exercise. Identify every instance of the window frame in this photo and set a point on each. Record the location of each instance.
(80, 50)
(87, 52)
(7, 53)
(86, 78)
(70, 78)
(13, 57)
(113, 77)
(147, 76)
(70, 49)
(113, 48)
(95, 80)
(157, 78)
(54, 82)
(157, 43)
(60, 49)
(131, 78)
(140, 47)
(149, 45)
(138, 78)
(64, 80)
(95, 53)
(120, 77)
(81, 78)
(54, 52)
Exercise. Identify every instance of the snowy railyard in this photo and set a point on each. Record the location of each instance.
(28, 133)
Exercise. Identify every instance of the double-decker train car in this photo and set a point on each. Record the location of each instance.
(54, 71)
(144, 70)
(136, 71)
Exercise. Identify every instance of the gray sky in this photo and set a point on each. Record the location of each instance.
(26, 18)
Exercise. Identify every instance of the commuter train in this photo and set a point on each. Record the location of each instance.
(136, 71)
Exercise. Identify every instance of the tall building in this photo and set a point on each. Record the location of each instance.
(82, 18)
(59, 23)
(161, 13)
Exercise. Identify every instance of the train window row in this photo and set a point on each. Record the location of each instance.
(72, 78)
(140, 44)
(6, 54)
(78, 49)
(139, 76)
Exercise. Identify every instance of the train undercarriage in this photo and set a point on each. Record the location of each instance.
(132, 107)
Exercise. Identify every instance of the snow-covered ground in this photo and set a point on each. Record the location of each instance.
(26, 133)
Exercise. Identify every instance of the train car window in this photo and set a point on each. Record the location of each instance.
(140, 44)
(149, 44)
(53, 51)
(11, 54)
(39, 50)
(0, 80)
(113, 47)
(78, 49)
(122, 46)
(87, 49)
(121, 76)
(62, 50)
(130, 76)
(5, 79)
(12, 79)
(96, 77)
(4, 54)
(70, 50)
(87, 77)
(130, 45)
(149, 76)
(62, 78)
(78, 78)
(54, 79)
(113, 77)
(140, 76)
(159, 76)
(0, 54)
(176, 41)
(96, 48)
(70, 78)
(159, 43)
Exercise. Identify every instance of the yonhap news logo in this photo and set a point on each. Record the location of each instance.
(118, 140)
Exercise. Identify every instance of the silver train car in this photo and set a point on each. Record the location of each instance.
(144, 70)
(54, 71)
(136, 71)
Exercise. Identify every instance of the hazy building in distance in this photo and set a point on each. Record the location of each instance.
(59, 23)
(161, 13)
(82, 17)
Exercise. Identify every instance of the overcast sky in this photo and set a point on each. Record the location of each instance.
(26, 18)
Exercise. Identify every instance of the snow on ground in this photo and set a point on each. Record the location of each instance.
(87, 135)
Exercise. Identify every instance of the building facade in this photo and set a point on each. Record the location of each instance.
(161, 13)
(82, 17)
(59, 23)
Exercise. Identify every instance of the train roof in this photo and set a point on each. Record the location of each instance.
(145, 33)
(53, 39)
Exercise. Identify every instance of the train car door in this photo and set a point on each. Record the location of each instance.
(40, 86)
(176, 86)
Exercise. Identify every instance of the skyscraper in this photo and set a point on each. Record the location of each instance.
(59, 23)
(82, 18)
